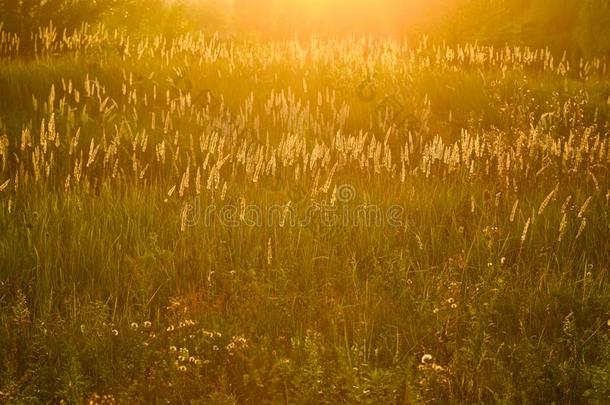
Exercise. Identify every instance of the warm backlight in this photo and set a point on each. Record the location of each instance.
(335, 16)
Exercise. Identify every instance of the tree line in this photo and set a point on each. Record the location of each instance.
(580, 27)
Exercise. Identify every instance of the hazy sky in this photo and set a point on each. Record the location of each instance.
(385, 16)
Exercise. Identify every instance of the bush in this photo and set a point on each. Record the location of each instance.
(25, 16)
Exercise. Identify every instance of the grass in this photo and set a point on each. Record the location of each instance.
(115, 285)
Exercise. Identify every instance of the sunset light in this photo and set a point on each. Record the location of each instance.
(339, 16)
(351, 202)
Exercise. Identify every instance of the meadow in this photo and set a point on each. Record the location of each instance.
(488, 283)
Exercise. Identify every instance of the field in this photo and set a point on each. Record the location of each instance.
(216, 221)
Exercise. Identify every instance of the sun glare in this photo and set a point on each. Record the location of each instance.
(304, 201)
(335, 16)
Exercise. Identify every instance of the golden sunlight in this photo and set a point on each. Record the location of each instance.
(304, 201)
(335, 16)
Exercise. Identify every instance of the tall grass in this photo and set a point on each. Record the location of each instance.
(494, 288)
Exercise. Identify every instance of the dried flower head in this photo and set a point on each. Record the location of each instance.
(426, 358)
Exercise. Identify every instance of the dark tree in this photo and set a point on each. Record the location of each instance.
(25, 16)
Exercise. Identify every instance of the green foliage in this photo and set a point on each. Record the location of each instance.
(24, 17)
(170, 19)
(494, 289)
(137, 17)
(593, 30)
(577, 26)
